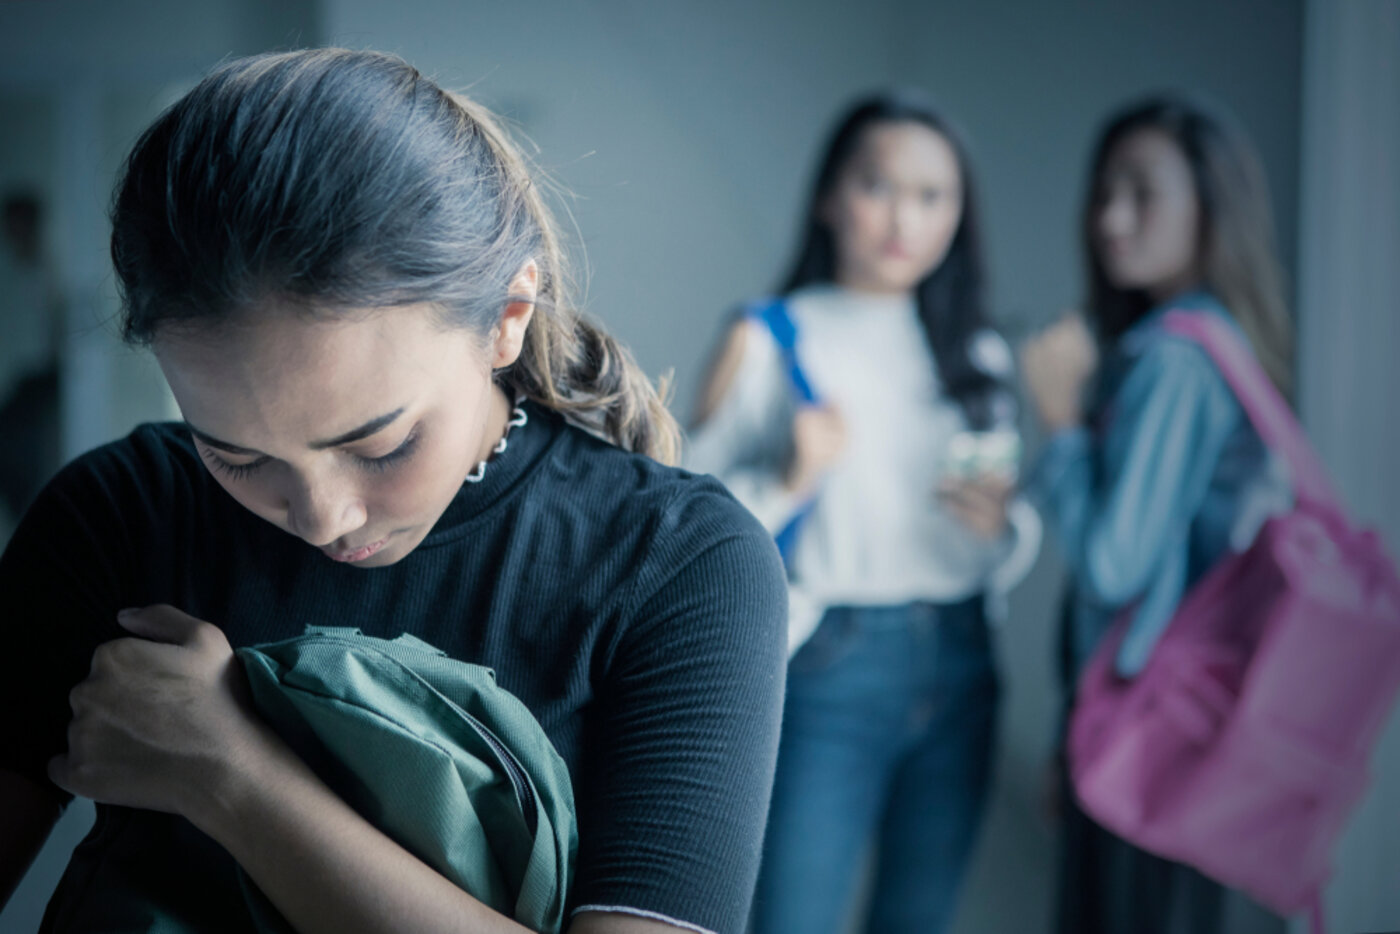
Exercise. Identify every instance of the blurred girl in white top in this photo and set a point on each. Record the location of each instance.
(903, 543)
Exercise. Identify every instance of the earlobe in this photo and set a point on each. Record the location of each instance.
(515, 318)
(510, 335)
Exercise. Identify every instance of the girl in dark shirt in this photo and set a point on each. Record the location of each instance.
(393, 420)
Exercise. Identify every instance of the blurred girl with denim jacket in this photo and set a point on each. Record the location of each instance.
(1152, 472)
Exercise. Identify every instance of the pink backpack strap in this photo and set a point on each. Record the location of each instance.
(1262, 404)
(1316, 919)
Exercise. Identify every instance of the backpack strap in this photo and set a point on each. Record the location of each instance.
(773, 314)
(1265, 408)
(1317, 920)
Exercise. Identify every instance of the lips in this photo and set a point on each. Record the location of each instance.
(356, 554)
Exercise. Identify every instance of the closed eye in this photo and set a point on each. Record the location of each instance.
(400, 453)
(233, 471)
(372, 464)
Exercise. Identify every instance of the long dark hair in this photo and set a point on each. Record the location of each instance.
(951, 298)
(1236, 241)
(330, 179)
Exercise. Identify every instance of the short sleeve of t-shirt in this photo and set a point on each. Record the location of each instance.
(690, 724)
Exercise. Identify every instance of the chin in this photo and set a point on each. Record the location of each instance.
(398, 548)
(900, 279)
(1134, 276)
(380, 560)
(1124, 278)
(394, 552)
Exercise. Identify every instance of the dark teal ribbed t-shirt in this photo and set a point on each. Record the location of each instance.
(637, 610)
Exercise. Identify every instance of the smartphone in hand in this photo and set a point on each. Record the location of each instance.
(974, 454)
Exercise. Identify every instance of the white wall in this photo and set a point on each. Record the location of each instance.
(683, 130)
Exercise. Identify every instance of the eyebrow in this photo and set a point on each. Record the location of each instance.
(364, 431)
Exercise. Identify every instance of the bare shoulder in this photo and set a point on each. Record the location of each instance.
(724, 367)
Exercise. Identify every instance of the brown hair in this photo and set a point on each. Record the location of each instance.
(336, 179)
(1236, 243)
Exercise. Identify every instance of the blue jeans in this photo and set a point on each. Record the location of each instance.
(888, 733)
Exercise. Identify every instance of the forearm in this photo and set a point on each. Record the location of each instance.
(1062, 485)
(1025, 531)
(325, 867)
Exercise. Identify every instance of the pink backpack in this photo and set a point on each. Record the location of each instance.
(1242, 746)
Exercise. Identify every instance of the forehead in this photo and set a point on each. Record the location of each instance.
(906, 149)
(1148, 152)
(277, 378)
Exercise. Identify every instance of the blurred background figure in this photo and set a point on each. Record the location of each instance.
(686, 132)
(1161, 475)
(890, 716)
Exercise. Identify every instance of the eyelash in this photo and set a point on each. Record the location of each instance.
(400, 453)
(371, 464)
(233, 471)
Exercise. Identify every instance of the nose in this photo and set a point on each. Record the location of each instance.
(323, 511)
(1115, 217)
(904, 217)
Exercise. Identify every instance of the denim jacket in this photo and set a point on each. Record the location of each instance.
(1164, 479)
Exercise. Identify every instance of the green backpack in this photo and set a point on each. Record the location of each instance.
(432, 752)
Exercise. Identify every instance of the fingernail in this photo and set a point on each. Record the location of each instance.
(126, 613)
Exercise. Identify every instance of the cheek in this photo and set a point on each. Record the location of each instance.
(1172, 234)
(940, 225)
(417, 490)
(860, 220)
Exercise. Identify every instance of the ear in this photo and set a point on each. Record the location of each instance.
(509, 335)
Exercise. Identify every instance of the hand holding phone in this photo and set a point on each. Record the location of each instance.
(979, 478)
(972, 455)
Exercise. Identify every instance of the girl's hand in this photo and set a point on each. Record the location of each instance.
(161, 719)
(979, 503)
(818, 439)
(1057, 365)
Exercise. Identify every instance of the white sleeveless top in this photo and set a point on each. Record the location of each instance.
(877, 535)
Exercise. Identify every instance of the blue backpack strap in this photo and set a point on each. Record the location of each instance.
(786, 537)
(774, 315)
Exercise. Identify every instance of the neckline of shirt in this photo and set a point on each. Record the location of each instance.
(505, 475)
(829, 294)
(1144, 329)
